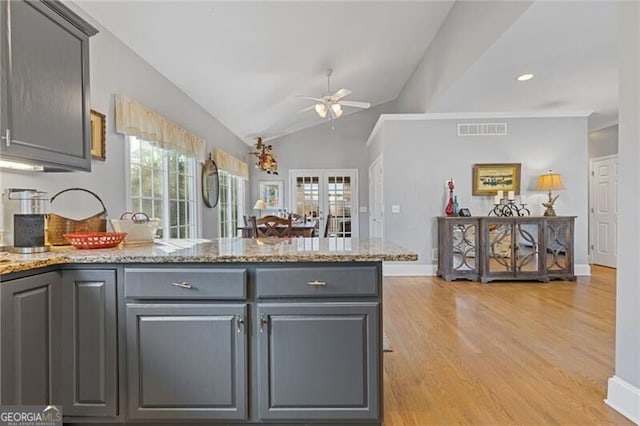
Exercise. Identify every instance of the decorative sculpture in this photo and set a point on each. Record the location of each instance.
(266, 160)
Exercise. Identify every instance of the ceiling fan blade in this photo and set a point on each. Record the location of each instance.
(309, 108)
(311, 98)
(355, 104)
(340, 94)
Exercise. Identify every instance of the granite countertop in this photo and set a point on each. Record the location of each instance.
(223, 250)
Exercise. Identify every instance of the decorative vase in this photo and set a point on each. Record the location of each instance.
(456, 207)
(449, 209)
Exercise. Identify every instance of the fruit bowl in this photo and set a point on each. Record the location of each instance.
(95, 240)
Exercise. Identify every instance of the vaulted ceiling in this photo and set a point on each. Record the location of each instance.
(247, 62)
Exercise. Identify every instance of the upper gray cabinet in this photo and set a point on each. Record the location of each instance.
(45, 117)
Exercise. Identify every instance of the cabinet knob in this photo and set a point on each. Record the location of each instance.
(183, 284)
(239, 323)
(317, 283)
(263, 322)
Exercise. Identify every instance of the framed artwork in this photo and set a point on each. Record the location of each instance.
(98, 136)
(272, 192)
(488, 179)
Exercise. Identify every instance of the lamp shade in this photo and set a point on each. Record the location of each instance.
(321, 109)
(260, 205)
(550, 181)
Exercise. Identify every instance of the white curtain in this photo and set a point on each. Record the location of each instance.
(134, 119)
(230, 164)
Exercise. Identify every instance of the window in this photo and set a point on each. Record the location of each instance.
(231, 204)
(162, 185)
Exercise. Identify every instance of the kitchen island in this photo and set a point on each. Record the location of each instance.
(266, 331)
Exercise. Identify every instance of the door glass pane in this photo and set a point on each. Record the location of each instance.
(339, 204)
(464, 247)
(557, 235)
(527, 249)
(500, 253)
(308, 200)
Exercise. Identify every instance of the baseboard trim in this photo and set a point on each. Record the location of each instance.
(583, 270)
(624, 398)
(400, 269)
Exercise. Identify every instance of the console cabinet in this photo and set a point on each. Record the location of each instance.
(506, 248)
(44, 93)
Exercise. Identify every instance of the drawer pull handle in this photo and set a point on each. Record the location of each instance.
(239, 323)
(183, 285)
(317, 283)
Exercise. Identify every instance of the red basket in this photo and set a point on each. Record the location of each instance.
(95, 240)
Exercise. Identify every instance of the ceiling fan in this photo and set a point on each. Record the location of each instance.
(331, 105)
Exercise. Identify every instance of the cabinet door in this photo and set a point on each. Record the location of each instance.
(319, 361)
(46, 87)
(30, 310)
(559, 247)
(499, 237)
(187, 361)
(90, 343)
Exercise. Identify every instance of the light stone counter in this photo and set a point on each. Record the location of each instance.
(224, 250)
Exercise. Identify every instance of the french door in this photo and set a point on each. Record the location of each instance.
(317, 194)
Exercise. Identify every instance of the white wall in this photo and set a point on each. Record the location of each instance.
(320, 147)
(116, 69)
(420, 155)
(624, 388)
(467, 32)
(603, 142)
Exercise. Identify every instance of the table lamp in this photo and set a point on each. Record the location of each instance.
(549, 182)
(260, 205)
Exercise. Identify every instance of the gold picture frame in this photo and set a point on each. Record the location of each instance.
(489, 178)
(98, 136)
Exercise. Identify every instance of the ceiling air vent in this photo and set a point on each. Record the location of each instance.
(482, 129)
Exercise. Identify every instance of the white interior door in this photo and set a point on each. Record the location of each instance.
(604, 211)
(376, 205)
(319, 193)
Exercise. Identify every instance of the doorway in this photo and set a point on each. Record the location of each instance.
(319, 193)
(603, 210)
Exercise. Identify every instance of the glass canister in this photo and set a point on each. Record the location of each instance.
(25, 215)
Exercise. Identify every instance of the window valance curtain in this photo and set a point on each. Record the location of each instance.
(134, 119)
(230, 164)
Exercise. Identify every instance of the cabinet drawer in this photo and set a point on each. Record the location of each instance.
(185, 283)
(317, 281)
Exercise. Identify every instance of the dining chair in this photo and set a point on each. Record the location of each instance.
(271, 226)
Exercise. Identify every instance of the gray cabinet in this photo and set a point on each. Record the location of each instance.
(30, 340)
(319, 361)
(187, 361)
(45, 85)
(506, 248)
(90, 384)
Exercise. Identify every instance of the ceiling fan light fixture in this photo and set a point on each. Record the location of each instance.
(321, 109)
(337, 109)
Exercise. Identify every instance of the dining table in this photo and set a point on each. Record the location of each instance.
(297, 230)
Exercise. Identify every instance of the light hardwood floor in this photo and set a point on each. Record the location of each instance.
(500, 353)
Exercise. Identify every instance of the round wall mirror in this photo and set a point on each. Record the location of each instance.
(210, 183)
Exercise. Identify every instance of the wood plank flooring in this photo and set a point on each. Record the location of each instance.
(500, 353)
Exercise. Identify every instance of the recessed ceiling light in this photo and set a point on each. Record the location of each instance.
(524, 77)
